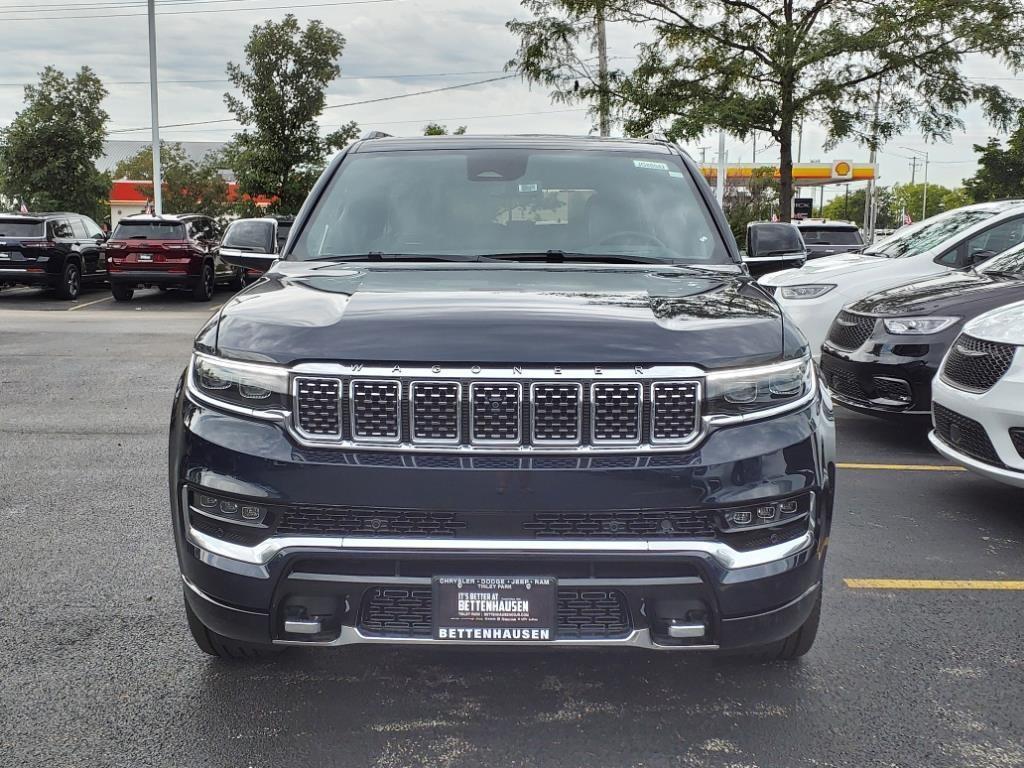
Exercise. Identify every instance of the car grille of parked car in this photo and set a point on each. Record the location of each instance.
(351, 521)
(617, 525)
(1017, 436)
(397, 611)
(976, 365)
(850, 331)
(497, 415)
(964, 434)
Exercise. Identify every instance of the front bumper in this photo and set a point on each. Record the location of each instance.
(886, 376)
(743, 598)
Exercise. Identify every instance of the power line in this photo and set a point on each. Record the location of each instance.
(329, 106)
(96, 5)
(105, 16)
(384, 76)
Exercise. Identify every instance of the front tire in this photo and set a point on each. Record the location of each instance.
(797, 644)
(211, 643)
(203, 290)
(122, 292)
(70, 284)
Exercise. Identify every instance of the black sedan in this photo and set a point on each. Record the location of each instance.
(882, 352)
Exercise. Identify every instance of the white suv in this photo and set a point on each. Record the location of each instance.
(978, 397)
(813, 294)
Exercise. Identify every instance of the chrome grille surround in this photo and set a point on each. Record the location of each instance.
(556, 416)
(376, 410)
(621, 421)
(678, 426)
(435, 412)
(317, 406)
(490, 426)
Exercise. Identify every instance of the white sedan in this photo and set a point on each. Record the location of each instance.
(812, 295)
(978, 397)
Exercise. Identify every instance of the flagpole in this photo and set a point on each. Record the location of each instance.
(154, 111)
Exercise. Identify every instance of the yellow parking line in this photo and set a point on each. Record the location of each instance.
(90, 303)
(932, 584)
(904, 467)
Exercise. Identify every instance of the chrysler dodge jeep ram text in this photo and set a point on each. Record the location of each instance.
(503, 390)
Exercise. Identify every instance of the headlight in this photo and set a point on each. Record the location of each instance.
(246, 385)
(918, 325)
(750, 390)
(806, 291)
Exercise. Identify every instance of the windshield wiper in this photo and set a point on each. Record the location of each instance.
(556, 256)
(1001, 273)
(382, 256)
(779, 252)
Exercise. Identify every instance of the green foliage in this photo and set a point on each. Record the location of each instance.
(436, 129)
(910, 197)
(756, 201)
(49, 150)
(767, 65)
(280, 153)
(1001, 170)
(557, 49)
(188, 186)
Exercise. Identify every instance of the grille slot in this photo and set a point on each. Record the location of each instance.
(436, 411)
(977, 365)
(319, 406)
(631, 524)
(376, 410)
(495, 413)
(850, 331)
(581, 613)
(615, 413)
(845, 384)
(964, 434)
(557, 413)
(365, 521)
(674, 411)
(1017, 436)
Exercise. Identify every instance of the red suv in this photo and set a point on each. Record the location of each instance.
(167, 252)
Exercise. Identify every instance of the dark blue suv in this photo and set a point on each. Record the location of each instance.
(503, 391)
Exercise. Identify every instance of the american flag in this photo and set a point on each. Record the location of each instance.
(24, 208)
(149, 208)
(906, 219)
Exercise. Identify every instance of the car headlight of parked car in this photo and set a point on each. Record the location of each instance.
(243, 385)
(918, 326)
(809, 291)
(752, 391)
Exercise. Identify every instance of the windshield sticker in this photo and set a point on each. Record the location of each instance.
(675, 174)
(529, 187)
(650, 165)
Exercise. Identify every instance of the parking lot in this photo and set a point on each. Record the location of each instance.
(97, 668)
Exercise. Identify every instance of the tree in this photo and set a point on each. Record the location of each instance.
(1001, 171)
(756, 201)
(188, 186)
(852, 208)
(48, 152)
(910, 197)
(280, 152)
(769, 65)
(436, 129)
(558, 49)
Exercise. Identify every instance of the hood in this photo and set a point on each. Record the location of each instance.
(825, 267)
(953, 293)
(508, 313)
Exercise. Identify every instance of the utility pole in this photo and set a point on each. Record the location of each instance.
(869, 198)
(603, 118)
(913, 169)
(722, 169)
(158, 205)
(924, 197)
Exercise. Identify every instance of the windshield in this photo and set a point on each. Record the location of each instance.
(774, 238)
(831, 236)
(22, 228)
(1011, 261)
(149, 230)
(512, 201)
(928, 234)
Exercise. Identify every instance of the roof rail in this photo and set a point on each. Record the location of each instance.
(658, 136)
(376, 135)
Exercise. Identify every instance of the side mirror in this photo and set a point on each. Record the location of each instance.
(977, 257)
(247, 259)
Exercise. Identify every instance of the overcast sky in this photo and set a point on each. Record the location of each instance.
(393, 47)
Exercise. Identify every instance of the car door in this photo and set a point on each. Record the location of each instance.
(984, 245)
(96, 239)
(87, 249)
(63, 237)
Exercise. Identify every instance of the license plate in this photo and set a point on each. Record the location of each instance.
(505, 609)
(145, 257)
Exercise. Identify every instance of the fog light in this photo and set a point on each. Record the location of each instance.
(764, 515)
(207, 502)
(238, 512)
(229, 508)
(740, 517)
(767, 513)
(789, 507)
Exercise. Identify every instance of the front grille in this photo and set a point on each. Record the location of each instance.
(845, 384)
(436, 411)
(633, 524)
(408, 612)
(557, 413)
(964, 434)
(674, 410)
(1017, 436)
(376, 410)
(892, 389)
(319, 406)
(357, 521)
(443, 415)
(976, 365)
(850, 331)
(617, 410)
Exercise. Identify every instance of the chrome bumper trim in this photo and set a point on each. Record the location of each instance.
(425, 581)
(638, 638)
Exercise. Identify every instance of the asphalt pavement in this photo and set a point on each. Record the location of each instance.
(97, 667)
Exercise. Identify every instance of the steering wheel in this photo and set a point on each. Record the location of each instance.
(632, 237)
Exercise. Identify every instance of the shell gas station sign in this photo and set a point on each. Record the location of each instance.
(804, 174)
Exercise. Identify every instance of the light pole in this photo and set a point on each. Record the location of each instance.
(154, 112)
(924, 200)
